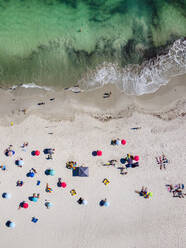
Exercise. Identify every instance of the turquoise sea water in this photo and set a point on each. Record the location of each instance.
(65, 42)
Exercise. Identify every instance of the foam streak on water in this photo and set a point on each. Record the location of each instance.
(141, 79)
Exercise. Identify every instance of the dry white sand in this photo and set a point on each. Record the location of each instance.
(130, 220)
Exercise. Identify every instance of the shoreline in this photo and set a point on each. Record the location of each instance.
(166, 103)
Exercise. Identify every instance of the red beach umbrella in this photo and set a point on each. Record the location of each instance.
(63, 185)
(136, 158)
(99, 153)
(25, 205)
(123, 142)
(37, 152)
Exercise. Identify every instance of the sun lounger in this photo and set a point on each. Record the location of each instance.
(106, 181)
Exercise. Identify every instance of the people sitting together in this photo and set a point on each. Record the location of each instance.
(162, 161)
(177, 190)
(19, 183)
(49, 152)
(71, 165)
(9, 151)
(129, 159)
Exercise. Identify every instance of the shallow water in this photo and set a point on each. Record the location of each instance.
(62, 42)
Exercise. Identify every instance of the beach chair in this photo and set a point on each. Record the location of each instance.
(106, 181)
(73, 192)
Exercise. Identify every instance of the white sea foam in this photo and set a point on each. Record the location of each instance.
(32, 85)
(141, 79)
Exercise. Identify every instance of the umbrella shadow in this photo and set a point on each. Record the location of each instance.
(17, 162)
(94, 153)
(45, 151)
(47, 172)
(33, 153)
(4, 195)
(8, 223)
(101, 203)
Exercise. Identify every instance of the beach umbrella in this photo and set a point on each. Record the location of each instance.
(6, 195)
(34, 199)
(99, 153)
(123, 142)
(37, 153)
(52, 172)
(106, 204)
(84, 202)
(136, 158)
(25, 205)
(48, 204)
(30, 174)
(20, 162)
(118, 142)
(63, 185)
(10, 224)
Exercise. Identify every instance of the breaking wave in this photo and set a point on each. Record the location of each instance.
(140, 79)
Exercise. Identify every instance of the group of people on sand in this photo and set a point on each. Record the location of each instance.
(162, 161)
(176, 190)
(9, 152)
(49, 152)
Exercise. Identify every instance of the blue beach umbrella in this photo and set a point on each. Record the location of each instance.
(48, 204)
(84, 202)
(118, 142)
(106, 204)
(34, 199)
(52, 172)
(20, 162)
(6, 195)
(30, 174)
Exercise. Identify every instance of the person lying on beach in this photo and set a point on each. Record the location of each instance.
(36, 195)
(172, 188)
(48, 189)
(135, 128)
(178, 193)
(162, 161)
(19, 183)
(142, 192)
(107, 94)
(110, 162)
(50, 150)
(3, 167)
(34, 170)
(49, 157)
(25, 144)
(134, 165)
(80, 200)
(123, 171)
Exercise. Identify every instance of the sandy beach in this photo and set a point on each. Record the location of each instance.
(76, 125)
